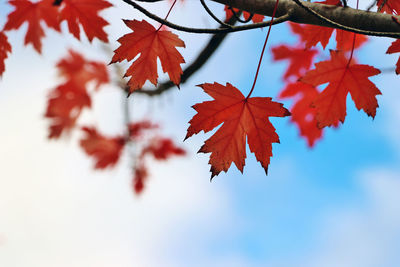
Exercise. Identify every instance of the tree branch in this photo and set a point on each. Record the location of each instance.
(369, 23)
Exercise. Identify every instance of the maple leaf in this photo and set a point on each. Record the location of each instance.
(344, 40)
(33, 14)
(67, 100)
(342, 78)
(163, 148)
(311, 35)
(85, 13)
(256, 17)
(136, 128)
(389, 6)
(395, 48)
(106, 151)
(151, 44)
(75, 67)
(303, 114)
(300, 59)
(64, 106)
(5, 48)
(241, 117)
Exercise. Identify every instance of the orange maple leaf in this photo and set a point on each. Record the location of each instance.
(342, 78)
(85, 13)
(241, 117)
(5, 48)
(150, 43)
(33, 13)
(106, 151)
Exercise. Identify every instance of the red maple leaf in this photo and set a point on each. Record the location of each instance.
(342, 78)
(136, 128)
(85, 13)
(256, 17)
(64, 106)
(311, 35)
(300, 59)
(151, 44)
(163, 148)
(242, 118)
(303, 114)
(106, 151)
(5, 48)
(33, 14)
(395, 48)
(390, 6)
(67, 100)
(75, 67)
(344, 40)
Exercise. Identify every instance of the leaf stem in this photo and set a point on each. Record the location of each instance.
(354, 42)
(263, 50)
(169, 11)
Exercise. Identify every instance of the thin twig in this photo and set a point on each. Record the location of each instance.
(213, 16)
(238, 14)
(372, 5)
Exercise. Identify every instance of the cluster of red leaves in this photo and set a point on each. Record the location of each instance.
(107, 151)
(314, 108)
(77, 13)
(66, 102)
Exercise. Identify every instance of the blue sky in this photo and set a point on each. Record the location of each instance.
(334, 205)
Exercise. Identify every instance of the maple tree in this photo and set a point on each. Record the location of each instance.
(242, 119)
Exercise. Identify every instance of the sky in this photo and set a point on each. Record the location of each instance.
(333, 205)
